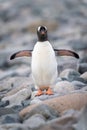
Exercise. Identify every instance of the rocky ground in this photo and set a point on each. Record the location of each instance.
(67, 26)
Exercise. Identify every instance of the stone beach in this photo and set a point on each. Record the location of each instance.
(66, 21)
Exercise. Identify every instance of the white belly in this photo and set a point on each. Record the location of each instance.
(44, 64)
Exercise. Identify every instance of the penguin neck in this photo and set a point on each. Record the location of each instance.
(42, 39)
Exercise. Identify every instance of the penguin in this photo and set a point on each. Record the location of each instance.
(44, 63)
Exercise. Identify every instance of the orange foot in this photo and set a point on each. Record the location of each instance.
(39, 93)
(49, 91)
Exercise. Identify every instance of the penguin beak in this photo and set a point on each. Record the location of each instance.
(42, 32)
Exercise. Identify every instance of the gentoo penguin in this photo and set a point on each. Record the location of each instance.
(44, 64)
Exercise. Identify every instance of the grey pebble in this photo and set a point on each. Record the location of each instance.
(4, 111)
(82, 68)
(10, 118)
(47, 112)
(81, 124)
(35, 121)
(69, 74)
(4, 103)
(78, 84)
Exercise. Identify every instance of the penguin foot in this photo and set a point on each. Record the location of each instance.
(49, 92)
(39, 93)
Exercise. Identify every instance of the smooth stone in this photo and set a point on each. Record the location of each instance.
(35, 121)
(19, 97)
(13, 126)
(75, 100)
(83, 59)
(78, 84)
(82, 68)
(46, 111)
(56, 126)
(8, 74)
(82, 124)
(17, 108)
(66, 121)
(5, 86)
(71, 113)
(70, 116)
(63, 87)
(84, 76)
(4, 104)
(4, 111)
(17, 86)
(69, 74)
(84, 88)
(66, 63)
(14, 82)
(10, 118)
(23, 70)
(35, 101)
(25, 102)
(80, 80)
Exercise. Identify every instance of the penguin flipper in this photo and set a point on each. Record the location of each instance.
(63, 52)
(27, 53)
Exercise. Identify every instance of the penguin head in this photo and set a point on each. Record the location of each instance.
(42, 33)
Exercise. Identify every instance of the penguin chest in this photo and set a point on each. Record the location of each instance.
(44, 66)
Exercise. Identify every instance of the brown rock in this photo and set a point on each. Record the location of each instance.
(70, 101)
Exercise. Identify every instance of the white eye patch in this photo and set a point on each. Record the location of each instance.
(41, 27)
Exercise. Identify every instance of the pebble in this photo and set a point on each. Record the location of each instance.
(35, 121)
(84, 76)
(5, 111)
(19, 83)
(47, 112)
(13, 126)
(35, 101)
(10, 118)
(5, 86)
(3, 104)
(69, 74)
(63, 87)
(78, 84)
(83, 59)
(82, 68)
(84, 88)
(81, 124)
(19, 97)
